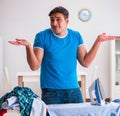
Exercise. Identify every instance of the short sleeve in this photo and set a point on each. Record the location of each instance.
(38, 41)
(80, 39)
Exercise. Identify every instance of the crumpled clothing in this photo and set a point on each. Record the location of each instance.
(25, 98)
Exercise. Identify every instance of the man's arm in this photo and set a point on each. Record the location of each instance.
(85, 58)
(34, 56)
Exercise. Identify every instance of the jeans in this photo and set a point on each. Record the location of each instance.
(60, 96)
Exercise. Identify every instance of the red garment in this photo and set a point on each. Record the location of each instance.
(2, 112)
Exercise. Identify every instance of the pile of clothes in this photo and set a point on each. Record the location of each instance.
(24, 100)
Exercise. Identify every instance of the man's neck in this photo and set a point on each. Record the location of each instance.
(62, 36)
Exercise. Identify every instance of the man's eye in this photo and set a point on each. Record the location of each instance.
(52, 20)
(58, 19)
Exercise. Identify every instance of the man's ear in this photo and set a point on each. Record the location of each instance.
(67, 20)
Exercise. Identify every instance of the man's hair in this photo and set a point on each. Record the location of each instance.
(61, 10)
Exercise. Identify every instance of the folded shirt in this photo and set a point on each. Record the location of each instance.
(11, 103)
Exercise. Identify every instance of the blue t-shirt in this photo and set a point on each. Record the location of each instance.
(58, 68)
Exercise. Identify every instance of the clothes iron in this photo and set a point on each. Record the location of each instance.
(96, 93)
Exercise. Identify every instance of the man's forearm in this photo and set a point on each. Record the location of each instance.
(31, 58)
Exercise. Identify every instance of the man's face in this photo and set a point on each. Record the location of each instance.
(58, 24)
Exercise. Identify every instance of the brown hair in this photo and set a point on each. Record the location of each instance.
(61, 10)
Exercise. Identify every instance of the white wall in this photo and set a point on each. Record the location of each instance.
(1, 71)
(24, 18)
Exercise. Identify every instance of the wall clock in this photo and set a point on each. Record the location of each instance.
(84, 15)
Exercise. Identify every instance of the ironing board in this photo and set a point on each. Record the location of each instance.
(79, 109)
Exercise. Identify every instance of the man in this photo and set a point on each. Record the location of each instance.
(56, 50)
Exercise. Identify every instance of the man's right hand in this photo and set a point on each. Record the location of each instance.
(19, 42)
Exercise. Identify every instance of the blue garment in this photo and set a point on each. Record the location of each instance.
(58, 68)
(60, 96)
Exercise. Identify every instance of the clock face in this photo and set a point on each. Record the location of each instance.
(84, 15)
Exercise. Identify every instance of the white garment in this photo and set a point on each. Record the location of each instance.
(39, 108)
(11, 103)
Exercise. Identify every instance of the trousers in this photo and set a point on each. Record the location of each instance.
(62, 96)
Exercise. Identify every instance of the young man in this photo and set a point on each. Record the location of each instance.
(56, 50)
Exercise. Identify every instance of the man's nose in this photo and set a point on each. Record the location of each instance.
(54, 22)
